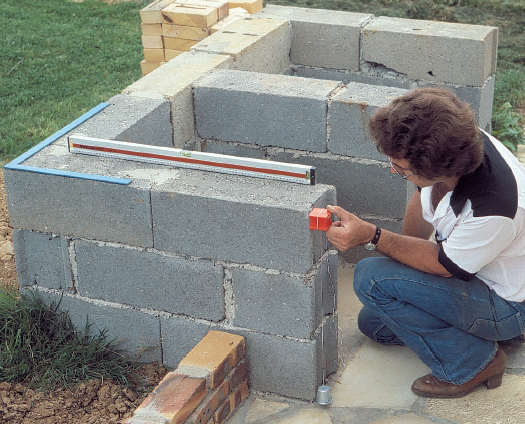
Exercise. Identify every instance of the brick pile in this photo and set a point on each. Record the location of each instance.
(171, 27)
(207, 386)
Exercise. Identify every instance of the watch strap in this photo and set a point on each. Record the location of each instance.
(376, 236)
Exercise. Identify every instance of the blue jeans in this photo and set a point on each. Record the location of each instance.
(452, 325)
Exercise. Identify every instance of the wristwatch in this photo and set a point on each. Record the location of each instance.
(372, 244)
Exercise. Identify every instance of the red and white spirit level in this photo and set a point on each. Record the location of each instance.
(260, 168)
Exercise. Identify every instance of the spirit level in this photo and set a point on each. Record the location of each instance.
(260, 168)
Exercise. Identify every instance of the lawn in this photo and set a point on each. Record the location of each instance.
(60, 58)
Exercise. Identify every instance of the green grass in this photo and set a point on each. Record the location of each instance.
(58, 58)
(40, 346)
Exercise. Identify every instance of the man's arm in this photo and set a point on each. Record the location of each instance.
(415, 252)
(414, 224)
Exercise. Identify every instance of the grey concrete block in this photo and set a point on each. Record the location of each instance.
(232, 149)
(324, 38)
(432, 51)
(257, 45)
(479, 98)
(42, 259)
(348, 114)
(239, 219)
(150, 280)
(364, 187)
(133, 119)
(174, 80)
(137, 333)
(284, 366)
(327, 338)
(179, 336)
(79, 208)
(267, 110)
(276, 303)
(388, 79)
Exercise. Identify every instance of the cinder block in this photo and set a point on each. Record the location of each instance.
(258, 45)
(326, 338)
(322, 38)
(174, 81)
(196, 218)
(137, 333)
(42, 259)
(132, 119)
(276, 303)
(273, 364)
(232, 149)
(173, 400)
(364, 187)
(348, 114)
(228, 108)
(432, 51)
(179, 336)
(213, 357)
(151, 280)
(326, 298)
(78, 207)
(209, 404)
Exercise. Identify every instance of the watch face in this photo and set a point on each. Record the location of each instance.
(370, 246)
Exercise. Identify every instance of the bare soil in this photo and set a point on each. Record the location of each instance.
(92, 402)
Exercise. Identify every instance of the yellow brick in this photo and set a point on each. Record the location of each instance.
(213, 357)
(184, 31)
(148, 67)
(197, 16)
(170, 54)
(178, 44)
(235, 14)
(238, 396)
(153, 55)
(151, 13)
(251, 6)
(222, 6)
(152, 42)
(151, 29)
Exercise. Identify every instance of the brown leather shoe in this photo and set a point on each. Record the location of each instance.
(491, 376)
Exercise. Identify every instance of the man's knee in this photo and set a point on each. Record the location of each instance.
(366, 271)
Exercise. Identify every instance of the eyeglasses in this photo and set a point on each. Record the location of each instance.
(397, 172)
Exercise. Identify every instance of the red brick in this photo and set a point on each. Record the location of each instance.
(213, 357)
(207, 407)
(174, 399)
(240, 393)
(222, 412)
(237, 374)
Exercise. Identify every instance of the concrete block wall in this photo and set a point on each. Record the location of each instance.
(159, 256)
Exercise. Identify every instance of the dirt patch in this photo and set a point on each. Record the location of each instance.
(93, 402)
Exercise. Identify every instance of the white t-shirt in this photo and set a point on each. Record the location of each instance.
(481, 223)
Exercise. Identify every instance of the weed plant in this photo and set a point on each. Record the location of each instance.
(40, 346)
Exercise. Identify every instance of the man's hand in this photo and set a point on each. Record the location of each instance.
(350, 231)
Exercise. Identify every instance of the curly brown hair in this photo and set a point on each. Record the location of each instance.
(432, 129)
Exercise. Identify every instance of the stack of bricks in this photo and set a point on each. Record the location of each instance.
(171, 27)
(207, 386)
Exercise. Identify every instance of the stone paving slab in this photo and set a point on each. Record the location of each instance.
(372, 386)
